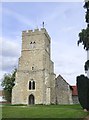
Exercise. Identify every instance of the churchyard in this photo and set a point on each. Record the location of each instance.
(43, 111)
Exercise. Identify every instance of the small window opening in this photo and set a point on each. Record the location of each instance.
(33, 85)
(30, 85)
(34, 42)
(32, 68)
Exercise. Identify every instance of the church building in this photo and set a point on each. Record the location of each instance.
(35, 81)
(35, 78)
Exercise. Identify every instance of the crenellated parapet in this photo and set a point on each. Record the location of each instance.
(35, 31)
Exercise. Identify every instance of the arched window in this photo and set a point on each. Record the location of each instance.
(32, 85)
(32, 44)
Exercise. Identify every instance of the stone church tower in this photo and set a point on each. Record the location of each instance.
(35, 78)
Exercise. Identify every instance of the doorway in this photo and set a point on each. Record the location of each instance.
(31, 99)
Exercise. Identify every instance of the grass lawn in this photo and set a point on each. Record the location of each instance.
(43, 111)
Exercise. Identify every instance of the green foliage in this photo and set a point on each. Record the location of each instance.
(84, 34)
(84, 38)
(86, 6)
(7, 96)
(83, 91)
(7, 84)
(86, 66)
(82, 81)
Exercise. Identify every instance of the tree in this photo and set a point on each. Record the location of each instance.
(84, 38)
(83, 81)
(83, 91)
(84, 34)
(86, 6)
(86, 65)
(7, 84)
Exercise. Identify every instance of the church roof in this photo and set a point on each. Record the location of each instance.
(73, 88)
(59, 76)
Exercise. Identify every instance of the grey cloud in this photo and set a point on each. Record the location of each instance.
(10, 48)
(19, 17)
(9, 63)
(10, 54)
(68, 60)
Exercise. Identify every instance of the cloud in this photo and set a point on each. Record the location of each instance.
(10, 54)
(10, 48)
(69, 60)
(68, 29)
(9, 63)
(20, 17)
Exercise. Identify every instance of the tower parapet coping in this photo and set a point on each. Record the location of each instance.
(35, 31)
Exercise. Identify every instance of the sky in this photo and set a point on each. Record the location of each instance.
(63, 22)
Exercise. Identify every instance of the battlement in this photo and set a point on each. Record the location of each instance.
(35, 31)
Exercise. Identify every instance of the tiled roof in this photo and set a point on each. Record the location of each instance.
(74, 91)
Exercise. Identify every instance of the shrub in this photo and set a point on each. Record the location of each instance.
(83, 91)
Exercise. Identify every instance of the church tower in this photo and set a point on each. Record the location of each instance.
(35, 78)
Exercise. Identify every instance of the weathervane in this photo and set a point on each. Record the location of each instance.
(43, 24)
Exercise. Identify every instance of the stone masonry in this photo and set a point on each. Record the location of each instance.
(35, 79)
(35, 65)
(63, 91)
